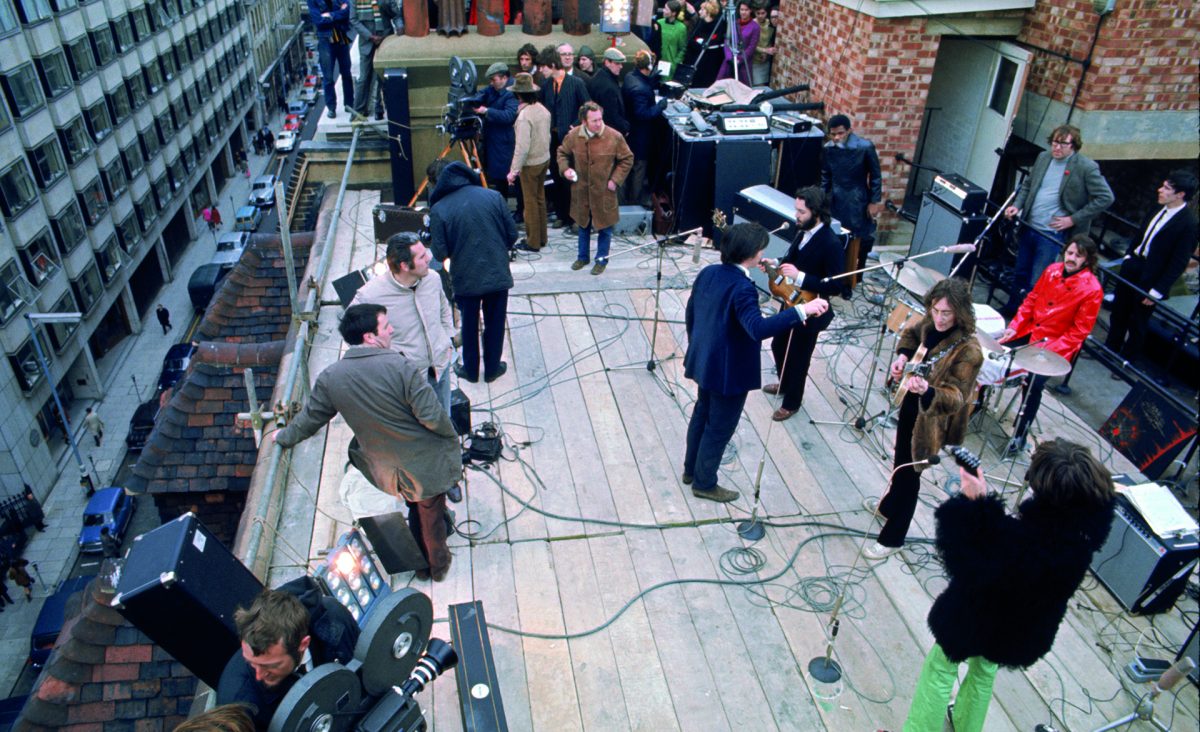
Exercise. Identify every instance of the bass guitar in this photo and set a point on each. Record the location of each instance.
(782, 288)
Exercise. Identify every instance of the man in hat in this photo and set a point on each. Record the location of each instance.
(605, 89)
(531, 158)
(499, 113)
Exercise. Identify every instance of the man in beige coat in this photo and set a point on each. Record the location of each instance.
(403, 442)
(596, 159)
(531, 158)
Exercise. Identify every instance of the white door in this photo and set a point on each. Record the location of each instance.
(1009, 69)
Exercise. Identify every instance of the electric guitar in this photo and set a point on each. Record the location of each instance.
(914, 367)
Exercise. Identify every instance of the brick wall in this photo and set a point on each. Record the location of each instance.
(1143, 60)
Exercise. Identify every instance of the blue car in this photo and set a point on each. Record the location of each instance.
(51, 618)
(110, 507)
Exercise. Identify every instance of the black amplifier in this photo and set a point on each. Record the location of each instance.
(959, 194)
(181, 586)
(1145, 572)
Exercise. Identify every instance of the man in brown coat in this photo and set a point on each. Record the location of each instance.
(404, 441)
(596, 159)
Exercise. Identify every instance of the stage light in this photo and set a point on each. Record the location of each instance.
(350, 575)
(616, 16)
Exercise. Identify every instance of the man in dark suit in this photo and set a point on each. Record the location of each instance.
(563, 94)
(1157, 258)
(605, 89)
(725, 330)
(1064, 192)
(814, 255)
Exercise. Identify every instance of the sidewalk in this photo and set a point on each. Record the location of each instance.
(137, 360)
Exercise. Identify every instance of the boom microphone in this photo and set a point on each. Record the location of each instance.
(782, 227)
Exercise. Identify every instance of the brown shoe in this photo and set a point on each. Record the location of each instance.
(439, 576)
(782, 414)
(771, 388)
(598, 267)
(716, 493)
(578, 264)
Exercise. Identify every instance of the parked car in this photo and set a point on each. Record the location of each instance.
(312, 81)
(298, 108)
(204, 283)
(51, 618)
(247, 218)
(175, 364)
(286, 142)
(230, 246)
(308, 95)
(292, 122)
(10, 709)
(141, 424)
(262, 191)
(110, 507)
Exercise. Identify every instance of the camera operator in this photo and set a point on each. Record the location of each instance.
(1011, 578)
(285, 633)
(498, 108)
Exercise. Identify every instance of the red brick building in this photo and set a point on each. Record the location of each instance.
(945, 82)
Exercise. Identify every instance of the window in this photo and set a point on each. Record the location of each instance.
(134, 162)
(179, 117)
(103, 45)
(146, 212)
(154, 77)
(69, 228)
(165, 127)
(75, 141)
(56, 78)
(128, 234)
(21, 88)
(8, 18)
(17, 191)
(1002, 86)
(83, 62)
(5, 122)
(163, 12)
(169, 64)
(118, 102)
(141, 23)
(61, 6)
(33, 11)
(114, 178)
(47, 162)
(93, 202)
(25, 363)
(123, 33)
(60, 333)
(88, 288)
(109, 259)
(162, 191)
(14, 290)
(194, 47)
(177, 173)
(40, 258)
(137, 90)
(193, 97)
(150, 143)
(98, 120)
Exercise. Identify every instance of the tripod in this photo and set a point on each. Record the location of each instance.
(470, 156)
(651, 363)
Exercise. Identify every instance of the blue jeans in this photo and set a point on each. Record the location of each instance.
(441, 387)
(602, 243)
(1036, 250)
(328, 54)
(714, 420)
(494, 306)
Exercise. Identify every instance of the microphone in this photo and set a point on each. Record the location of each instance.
(958, 248)
(901, 158)
(782, 227)
(934, 459)
(996, 355)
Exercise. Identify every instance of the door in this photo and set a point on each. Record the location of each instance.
(1010, 68)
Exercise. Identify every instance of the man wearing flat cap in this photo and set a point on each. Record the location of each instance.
(499, 113)
(605, 89)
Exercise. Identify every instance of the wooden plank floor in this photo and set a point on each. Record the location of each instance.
(658, 615)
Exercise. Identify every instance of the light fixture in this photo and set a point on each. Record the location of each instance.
(351, 577)
(616, 16)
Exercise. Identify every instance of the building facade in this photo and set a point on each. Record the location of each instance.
(279, 54)
(118, 120)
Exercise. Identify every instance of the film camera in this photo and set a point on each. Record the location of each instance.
(459, 118)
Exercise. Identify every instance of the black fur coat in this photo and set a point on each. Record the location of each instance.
(1010, 576)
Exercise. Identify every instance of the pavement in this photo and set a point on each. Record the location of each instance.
(129, 373)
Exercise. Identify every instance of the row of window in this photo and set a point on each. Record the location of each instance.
(40, 258)
(27, 87)
(144, 20)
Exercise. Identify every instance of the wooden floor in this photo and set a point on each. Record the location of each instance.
(659, 616)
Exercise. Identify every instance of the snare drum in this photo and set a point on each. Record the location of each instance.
(904, 315)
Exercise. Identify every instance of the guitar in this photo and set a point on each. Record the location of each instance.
(782, 288)
(914, 367)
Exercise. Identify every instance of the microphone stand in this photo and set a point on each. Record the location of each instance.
(863, 423)
(978, 242)
(652, 364)
(823, 668)
(1024, 389)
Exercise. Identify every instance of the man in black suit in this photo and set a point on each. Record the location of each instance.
(563, 94)
(814, 255)
(1157, 258)
(725, 331)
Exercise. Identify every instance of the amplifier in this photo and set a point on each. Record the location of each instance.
(959, 194)
(742, 123)
(792, 122)
(181, 587)
(1146, 573)
(460, 412)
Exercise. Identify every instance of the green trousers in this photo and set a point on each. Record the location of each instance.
(928, 710)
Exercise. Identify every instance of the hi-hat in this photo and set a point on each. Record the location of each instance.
(1042, 362)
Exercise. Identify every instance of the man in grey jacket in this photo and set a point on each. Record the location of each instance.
(403, 442)
(1064, 192)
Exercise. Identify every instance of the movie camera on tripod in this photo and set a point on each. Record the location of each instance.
(459, 117)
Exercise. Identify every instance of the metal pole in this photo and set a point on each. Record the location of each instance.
(285, 241)
(62, 413)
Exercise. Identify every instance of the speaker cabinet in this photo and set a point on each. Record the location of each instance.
(1144, 572)
(939, 225)
(181, 586)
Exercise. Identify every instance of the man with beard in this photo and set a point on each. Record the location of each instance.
(814, 255)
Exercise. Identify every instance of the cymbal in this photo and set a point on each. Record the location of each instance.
(1042, 362)
(915, 278)
(989, 343)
